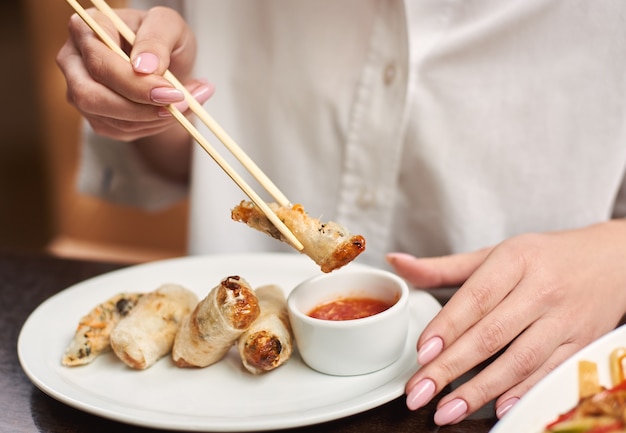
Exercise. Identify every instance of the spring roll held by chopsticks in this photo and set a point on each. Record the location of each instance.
(268, 343)
(329, 244)
(215, 324)
(147, 333)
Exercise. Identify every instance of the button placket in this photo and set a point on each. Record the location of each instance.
(389, 73)
(366, 198)
(376, 132)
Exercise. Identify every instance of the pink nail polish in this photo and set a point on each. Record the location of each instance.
(163, 113)
(166, 95)
(146, 63)
(203, 93)
(420, 394)
(182, 106)
(451, 412)
(392, 258)
(430, 350)
(503, 408)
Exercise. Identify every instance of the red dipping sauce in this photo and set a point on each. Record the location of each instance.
(349, 309)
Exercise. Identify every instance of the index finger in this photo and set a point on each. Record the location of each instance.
(480, 294)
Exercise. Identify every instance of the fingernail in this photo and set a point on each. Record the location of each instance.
(396, 257)
(452, 411)
(180, 106)
(146, 63)
(164, 112)
(203, 93)
(429, 350)
(166, 95)
(506, 406)
(420, 394)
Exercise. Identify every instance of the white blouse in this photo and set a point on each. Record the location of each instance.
(427, 126)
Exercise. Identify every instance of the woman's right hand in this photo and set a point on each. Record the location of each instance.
(126, 101)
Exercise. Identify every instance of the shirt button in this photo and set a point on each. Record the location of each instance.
(389, 74)
(366, 198)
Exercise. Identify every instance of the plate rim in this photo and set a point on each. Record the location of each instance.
(307, 416)
(594, 351)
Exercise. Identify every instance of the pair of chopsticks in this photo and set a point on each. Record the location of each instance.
(205, 117)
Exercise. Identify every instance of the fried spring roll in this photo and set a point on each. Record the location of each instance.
(147, 333)
(268, 342)
(216, 323)
(329, 244)
(92, 335)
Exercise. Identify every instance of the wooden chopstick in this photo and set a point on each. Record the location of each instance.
(192, 130)
(199, 111)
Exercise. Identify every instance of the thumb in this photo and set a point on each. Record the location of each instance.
(163, 40)
(443, 271)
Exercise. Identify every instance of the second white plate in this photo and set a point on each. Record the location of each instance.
(558, 391)
(222, 397)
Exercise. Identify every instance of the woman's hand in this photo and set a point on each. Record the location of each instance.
(126, 101)
(545, 296)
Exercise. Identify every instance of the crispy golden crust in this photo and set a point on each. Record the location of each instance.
(330, 245)
(216, 323)
(92, 335)
(268, 343)
(146, 334)
(262, 352)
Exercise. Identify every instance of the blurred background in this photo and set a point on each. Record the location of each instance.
(24, 212)
(39, 207)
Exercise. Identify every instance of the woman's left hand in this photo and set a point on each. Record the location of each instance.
(545, 296)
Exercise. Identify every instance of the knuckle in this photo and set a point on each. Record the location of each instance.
(492, 338)
(548, 367)
(166, 12)
(96, 66)
(109, 128)
(524, 361)
(75, 24)
(521, 249)
(449, 324)
(482, 393)
(550, 292)
(80, 96)
(101, 128)
(446, 370)
(480, 298)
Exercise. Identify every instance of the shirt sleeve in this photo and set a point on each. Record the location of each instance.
(113, 171)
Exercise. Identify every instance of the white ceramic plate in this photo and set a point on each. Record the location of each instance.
(222, 397)
(558, 391)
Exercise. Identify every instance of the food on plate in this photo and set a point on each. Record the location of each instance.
(268, 343)
(617, 362)
(588, 382)
(92, 335)
(602, 411)
(147, 333)
(143, 327)
(329, 244)
(216, 323)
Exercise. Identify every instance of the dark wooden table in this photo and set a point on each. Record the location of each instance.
(27, 279)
